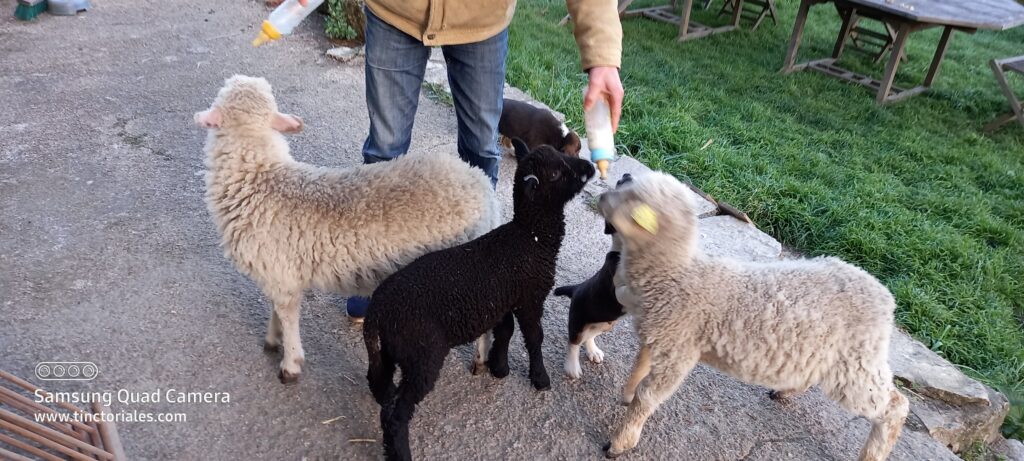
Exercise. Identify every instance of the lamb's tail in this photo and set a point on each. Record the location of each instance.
(885, 429)
(566, 291)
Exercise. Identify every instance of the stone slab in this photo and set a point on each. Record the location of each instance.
(344, 53)
(1013, 450)
(726, 236)
(958, 427)
(931, 375)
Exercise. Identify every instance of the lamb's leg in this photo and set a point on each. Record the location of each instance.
(668, 370)
(418, 379)
(497, 358)
(785, 394)
(272, 342)
(886, 427)
(533, 334)
(641, 367)
(287, 308)
(483, 344)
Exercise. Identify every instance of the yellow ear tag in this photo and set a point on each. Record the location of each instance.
(646, 218)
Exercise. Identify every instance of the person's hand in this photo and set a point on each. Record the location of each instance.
(303, 2)
(604, 83)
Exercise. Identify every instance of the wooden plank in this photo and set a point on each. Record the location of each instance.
(849, 18)
(900, 95)
(43, 441)
(29, 448)
(940, 53)
(898, 47)
(108, 433)
(684, 21)
(973, 14)
(8, 419)
(737, 8)
(4, 454)
(1015, 106)
(998, 122)
(1016, 65)
(788, 65)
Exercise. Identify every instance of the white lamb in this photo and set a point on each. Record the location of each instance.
(291, 226)
(786, 325)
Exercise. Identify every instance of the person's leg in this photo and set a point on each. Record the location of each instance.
(476, 73)
(395, 63)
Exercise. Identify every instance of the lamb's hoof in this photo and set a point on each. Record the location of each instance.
(498, 371)
(288, 377)
(608, 453)
(782, 396)
(541, 383)
(271, 348)
(478, 368)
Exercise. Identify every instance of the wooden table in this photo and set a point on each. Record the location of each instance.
(907, 17)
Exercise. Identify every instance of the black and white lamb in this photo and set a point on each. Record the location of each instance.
(292, 226)
(785, 325)
(453, 296)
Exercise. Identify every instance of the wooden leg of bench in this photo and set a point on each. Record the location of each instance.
(849, 19)
(1015, 105)
(894, 63)
(940, 53)
(794, 40)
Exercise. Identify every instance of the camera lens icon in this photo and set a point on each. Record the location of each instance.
(66, 371)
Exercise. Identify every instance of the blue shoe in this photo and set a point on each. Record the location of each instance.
(356, 307)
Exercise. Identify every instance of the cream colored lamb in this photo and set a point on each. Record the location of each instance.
(786, 325)
(291, 226)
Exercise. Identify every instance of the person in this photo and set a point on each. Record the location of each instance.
(473, 35)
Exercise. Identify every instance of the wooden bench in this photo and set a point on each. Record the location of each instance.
(999, 68)
(754, 11)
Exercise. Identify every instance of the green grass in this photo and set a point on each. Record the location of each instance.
(913, 193)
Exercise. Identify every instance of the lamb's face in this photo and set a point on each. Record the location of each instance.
(247, 102)
(548, 176)
(651, 209)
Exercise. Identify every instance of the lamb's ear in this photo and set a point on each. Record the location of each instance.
(520, 147)
(210, 118)
(286, 123)
(530, 183)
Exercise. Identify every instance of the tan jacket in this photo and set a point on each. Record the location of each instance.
(454, 22)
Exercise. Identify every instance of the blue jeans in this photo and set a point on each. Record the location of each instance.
(395, 64)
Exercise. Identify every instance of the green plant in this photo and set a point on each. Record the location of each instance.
(437, 93)
(345, 20)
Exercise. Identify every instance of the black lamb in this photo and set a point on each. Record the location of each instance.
(453, 296)
(594, 309)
